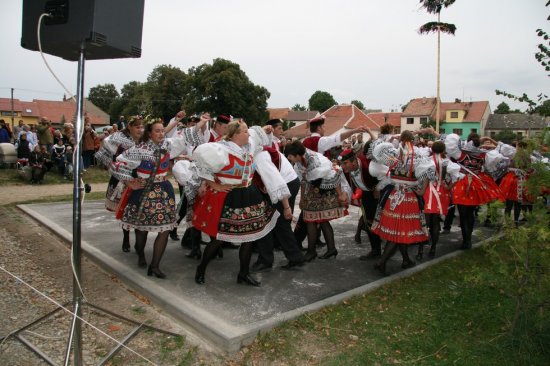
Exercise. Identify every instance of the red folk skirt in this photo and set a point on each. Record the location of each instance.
(436, 201)
(475, 191)
(514, 188)
(403, 224)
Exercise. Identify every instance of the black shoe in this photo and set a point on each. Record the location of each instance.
(329, 254)
(125, 246)
(320, 244)
(199, 277)
(370, 255)
(357, 238)
(156, 272)
(445, 231)
(310, 256)
(408, 264)
(292, 264)
(381, 268)
(419, 256)
(466, 245)
(174, 234)
(260, 267)
(431, 253)
(142, 262)
(248, 279)
(194, 254)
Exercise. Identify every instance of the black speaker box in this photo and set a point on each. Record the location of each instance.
(107, 28)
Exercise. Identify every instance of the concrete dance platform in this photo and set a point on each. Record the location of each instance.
(222, 312)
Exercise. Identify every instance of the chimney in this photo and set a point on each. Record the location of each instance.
(457, 100)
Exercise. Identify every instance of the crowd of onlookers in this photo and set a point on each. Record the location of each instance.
(42, 148)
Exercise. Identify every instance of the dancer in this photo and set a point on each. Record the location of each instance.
(231, 208)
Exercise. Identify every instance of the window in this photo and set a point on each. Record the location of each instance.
(410, 120)
(493, 134)
(423, 120)
(474, 130)
(454, 114)
(5, 113)
(519, 134)
(458, 131)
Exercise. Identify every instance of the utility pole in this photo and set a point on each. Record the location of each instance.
(12, 121)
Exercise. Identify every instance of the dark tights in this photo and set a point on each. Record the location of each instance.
(313, 235)
(158, 249)
(212, 249)
(467, 218)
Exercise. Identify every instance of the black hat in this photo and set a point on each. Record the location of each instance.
(274, 122)
(222, 118)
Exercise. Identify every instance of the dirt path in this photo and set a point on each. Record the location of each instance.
(22, 193)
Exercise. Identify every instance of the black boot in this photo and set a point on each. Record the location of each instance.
(420, 253)
(389, 251)
(126, 241)
(174, 234)
(407, 262)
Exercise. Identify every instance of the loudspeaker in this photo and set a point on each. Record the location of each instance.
(108, 28)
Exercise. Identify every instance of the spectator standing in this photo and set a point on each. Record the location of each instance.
(4, 132)
(121, 123)
(88, 143)
(44, 134)
(37, 161)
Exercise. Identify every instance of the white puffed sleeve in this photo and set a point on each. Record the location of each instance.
(506, 150)
(271, 177)
(494, 161)
(452, 145)
(125, 164)
(210, 158)
(182, 171)
(385, 153)
(424, 169)
(453, 172)
(191, 136)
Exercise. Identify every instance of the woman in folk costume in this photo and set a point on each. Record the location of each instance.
(322, 197)
(112, 147)
(437, 196)
(477, 187)
(399, 218)
(151, 205)
(513, 187)
(230, 208)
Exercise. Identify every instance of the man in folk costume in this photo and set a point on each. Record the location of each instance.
(399, 218)
(276, 177)
(276, 132)
(358, 170)
(321, 144)
(219, 128)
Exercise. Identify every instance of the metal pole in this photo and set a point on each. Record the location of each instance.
(77, 212)
(438, 72)
(12, 121)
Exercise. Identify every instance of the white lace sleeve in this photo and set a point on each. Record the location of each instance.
(188, 137)
(494, 161)
(210, 159)
(452, 146)
(506, 150)
(124, 165)
(271, 177)
(453, 172)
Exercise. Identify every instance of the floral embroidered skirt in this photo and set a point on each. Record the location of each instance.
(319, 205)
(113, 195)
(151, 209)
(242, 215)
(475, 191)
(399, 217)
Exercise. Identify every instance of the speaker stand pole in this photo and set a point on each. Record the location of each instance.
(75, 337)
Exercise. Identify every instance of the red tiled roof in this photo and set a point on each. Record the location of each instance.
(474, 110)
(380, 118)
(280, 113)
(301, 115)
(337, 117)
(420, 107)
(55, 110)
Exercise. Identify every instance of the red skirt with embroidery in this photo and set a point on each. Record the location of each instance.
(436, 201)
(405, 224)
(509, 189)
(475, 191)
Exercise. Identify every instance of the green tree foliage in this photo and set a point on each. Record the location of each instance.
(165, 89)
(544, 108)
(299, 107)
(506, 136)
(321, 101)
(358, 104)
(136, 100)
(103, 95)
(224, 88)
(502, 108)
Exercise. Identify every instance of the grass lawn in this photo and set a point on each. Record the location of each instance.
(458, 312)
(11, 176)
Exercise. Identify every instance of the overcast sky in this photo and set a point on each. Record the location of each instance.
(369, 50)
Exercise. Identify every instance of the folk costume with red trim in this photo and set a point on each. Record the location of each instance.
(399, 217)
(152, 208)
(240, 215)
(437, 196)
(319, 181)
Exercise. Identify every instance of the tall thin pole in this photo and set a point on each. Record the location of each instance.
(438, 72)
(12, 121)
(76, 332)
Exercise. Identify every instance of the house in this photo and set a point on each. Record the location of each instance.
(381, 118)
(58, 112)
(459, 117)
(300, 117)
(338, 118)
(278, 113)
(523, 125)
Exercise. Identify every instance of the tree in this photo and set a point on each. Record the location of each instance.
(135, 100)
(165, 91)
(358, 104)
(506, 136)
(543, 109)
(435, 7)
(224, 88)
(502, 108)
(103, 95)
(298, 107)
(543, 58)
(321, 101)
